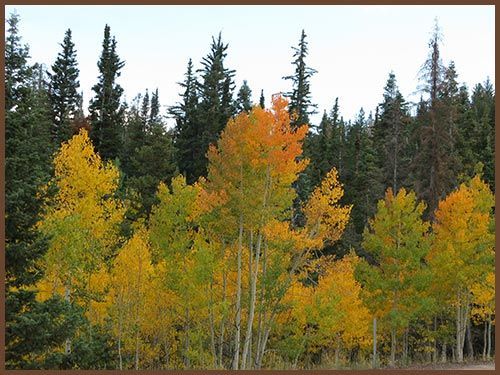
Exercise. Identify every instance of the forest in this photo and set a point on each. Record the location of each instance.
(244, 237)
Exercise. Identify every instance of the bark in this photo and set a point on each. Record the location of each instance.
(236, 357)
(485, 334)
(393, 348)
(212, 328)
(67, 298)
(251, 309)
(222, 323)
(488, 355)
(470, 347)
(187, 361)
(443, 353)
(374, 360)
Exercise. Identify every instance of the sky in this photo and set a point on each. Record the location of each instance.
(353, 48)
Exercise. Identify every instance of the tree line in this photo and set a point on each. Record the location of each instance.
(245, 237)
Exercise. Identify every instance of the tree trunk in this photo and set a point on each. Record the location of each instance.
(435, 349)
(470, 347)
(443, 353)
(393, 348)
(187, 361)
(374, 359)
(488, 355)
(485, 333)
(222, 323)
(67, 298)
(236, 357)
(251, 308)
(212, 327)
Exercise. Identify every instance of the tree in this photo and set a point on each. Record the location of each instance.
(435, 163)
(188, 130)
(390, 136)
(82, 220)
(216, 99)
(34, 329)
(300, 96)
(462, 250)
(397, 238)
(130, 281)
(63, 90)
(105, 109)
(361, 175)
(244, 98)
(262, 102)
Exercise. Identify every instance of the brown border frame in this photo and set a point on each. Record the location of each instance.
(222, 2)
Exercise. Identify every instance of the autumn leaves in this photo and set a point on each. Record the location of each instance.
(220, 273)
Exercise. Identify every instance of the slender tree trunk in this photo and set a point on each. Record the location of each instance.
(251, 308)
(187, 361)
(212, 328)
(67, 298)
(488, 355)
(262, 309)
(485, 331)
(435, 349)
(374, 359)
(222, 323)
(236, 357)
(470, 348)
(393, 348)
(443, 352)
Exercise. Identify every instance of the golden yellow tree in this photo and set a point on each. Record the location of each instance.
(81, 220)
(462, 251)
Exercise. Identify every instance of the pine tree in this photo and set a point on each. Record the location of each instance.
(300, 96)
(390, 136)
(362, 175)
(244, 98)
(149, 157)
(33, 329)
(106, 112)
(187, 131)
(435, 163)
(216, 99)
(64, 96)
(262, 100)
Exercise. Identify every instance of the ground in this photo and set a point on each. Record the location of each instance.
(478, 365)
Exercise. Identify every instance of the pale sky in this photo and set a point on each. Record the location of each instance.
(353, 48)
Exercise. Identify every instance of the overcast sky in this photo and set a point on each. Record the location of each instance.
(353, 48)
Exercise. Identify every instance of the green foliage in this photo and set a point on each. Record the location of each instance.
(63, 91)
(106, 111)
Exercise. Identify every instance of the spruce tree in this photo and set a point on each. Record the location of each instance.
(106, 112)
(300, 96)
(390, 136)
(150, 152)
(244, 98)
(187, 130)
(262, 100)
(435, 164)
(64, 85)
(33, 329)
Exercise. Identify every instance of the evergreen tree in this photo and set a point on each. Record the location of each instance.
(149, 157)
(106, 112)
(262, 100)
(187, 131)
(435, 164)
(64, 96)
(300, 96)
(244, 98)
(216, 99)
(390, 136)
(362, 182)
(32, 328)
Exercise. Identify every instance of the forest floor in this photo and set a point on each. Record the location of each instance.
(475, 365)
